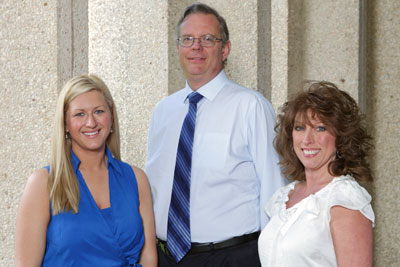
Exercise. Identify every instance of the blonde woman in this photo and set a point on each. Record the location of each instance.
(88, 208)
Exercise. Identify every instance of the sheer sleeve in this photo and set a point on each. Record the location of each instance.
(349, 194)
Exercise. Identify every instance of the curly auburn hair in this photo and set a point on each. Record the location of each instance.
(340, 113)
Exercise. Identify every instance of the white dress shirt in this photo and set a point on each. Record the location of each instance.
(234, 165)
(300, 236)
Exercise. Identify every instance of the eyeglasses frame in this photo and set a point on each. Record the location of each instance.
(199, 38)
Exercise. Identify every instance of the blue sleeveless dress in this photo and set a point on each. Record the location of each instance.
(93, 237)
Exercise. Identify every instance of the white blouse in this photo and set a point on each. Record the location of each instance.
(300, 235)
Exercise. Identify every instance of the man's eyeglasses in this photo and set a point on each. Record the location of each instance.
(207, 40)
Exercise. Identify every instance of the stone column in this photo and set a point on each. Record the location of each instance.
(72, 35)
(128, 48)
(315, 40)
(383, 102)
(331, 42)
(286, 49)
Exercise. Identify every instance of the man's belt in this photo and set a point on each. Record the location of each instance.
(206, 247)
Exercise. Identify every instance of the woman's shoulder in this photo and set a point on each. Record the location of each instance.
(39, 178)
(139, 173)
(36, 194)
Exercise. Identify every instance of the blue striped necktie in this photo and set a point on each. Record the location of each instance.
(178, 234)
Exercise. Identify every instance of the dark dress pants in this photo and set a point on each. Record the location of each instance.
(244, 255)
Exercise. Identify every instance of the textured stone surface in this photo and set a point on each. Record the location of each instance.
(28, 88)
(331, 42)
(241, 17)
(176, 79)
(72, 33)
(383, 101)
(264, 48)
(314, 41)
(128, 48)
(279, 52)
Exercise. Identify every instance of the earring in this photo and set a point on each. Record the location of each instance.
(338, 155)
(111, 130)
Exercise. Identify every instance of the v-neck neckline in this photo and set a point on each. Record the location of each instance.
(295, 206)
(90, 193)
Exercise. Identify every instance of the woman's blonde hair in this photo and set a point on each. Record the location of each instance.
(63, 185)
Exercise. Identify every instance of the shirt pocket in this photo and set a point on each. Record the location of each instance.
(211, 150)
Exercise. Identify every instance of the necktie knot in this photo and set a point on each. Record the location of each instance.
(195, 97)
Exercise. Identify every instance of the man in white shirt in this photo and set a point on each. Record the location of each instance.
(234, 167)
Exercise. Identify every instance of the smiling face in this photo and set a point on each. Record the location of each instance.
(313, 144)
(201, 64)
(88, 121)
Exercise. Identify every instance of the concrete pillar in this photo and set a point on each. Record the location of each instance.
(72, 35)
(264, 48)
(286, 49)
(314, 40)
(331, 42)
(383, 102)
(176, 79)
(28, 89)
(128, 48)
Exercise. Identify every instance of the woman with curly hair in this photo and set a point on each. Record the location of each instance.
(324, 217)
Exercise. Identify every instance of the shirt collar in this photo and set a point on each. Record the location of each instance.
(111, 161)
(211, 89)
(74, 161)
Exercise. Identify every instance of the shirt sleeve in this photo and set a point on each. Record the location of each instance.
(261, 134)
(349, 194)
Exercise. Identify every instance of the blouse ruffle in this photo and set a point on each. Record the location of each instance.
(277, 203)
